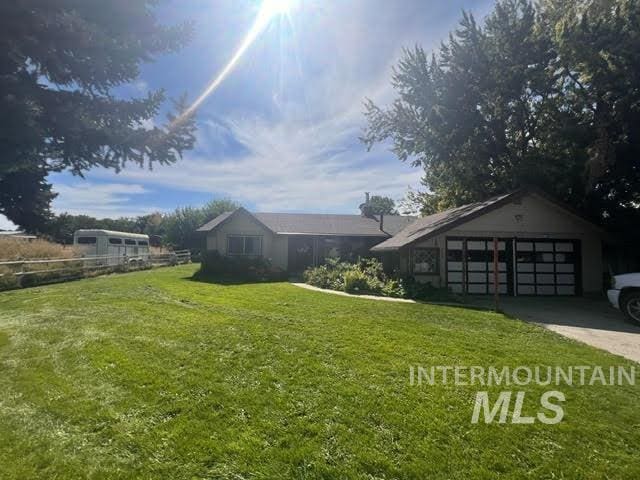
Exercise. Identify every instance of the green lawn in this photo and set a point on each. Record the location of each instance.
(154, 375)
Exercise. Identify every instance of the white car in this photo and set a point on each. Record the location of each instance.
(625, 294)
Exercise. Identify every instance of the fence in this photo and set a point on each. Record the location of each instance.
(27, 273)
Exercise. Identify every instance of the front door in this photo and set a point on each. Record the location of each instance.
(301, 253)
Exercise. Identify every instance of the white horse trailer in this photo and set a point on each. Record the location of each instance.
(112, 248)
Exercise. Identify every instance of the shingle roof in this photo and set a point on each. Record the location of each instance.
(210, 225)
(431, 225)
(323, 224)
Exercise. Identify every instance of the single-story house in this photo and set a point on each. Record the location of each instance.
(544, 247)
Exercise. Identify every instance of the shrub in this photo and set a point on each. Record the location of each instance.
(425, 291)
(365, 276)
(356, 281)
(254, 268)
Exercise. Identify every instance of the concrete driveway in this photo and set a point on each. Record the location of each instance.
(591, 321)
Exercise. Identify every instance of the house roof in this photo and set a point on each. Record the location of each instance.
(321, 224)
(432, 225)
(211, 224)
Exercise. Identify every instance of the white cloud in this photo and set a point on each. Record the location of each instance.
(290, 166)
(101, 200)
(294, 104)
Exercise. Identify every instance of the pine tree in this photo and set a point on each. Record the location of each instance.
(61, 62)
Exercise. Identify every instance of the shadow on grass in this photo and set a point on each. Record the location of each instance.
(235, 279)
(232, 279)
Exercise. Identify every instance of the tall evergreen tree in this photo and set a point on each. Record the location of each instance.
(60, 63)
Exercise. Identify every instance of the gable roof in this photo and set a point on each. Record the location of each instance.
(320, 224)
(432, 225)
(226, 216)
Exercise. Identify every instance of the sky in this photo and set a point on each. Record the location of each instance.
(281, 132)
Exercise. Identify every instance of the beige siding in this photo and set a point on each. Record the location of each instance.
(532, 217)
(274, 247)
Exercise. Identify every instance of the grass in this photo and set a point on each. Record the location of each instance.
(154, 375)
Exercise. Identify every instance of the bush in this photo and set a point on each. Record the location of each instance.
(425, 291)
(364, 276)
(367, 276)
(356, 281)
(253, 268)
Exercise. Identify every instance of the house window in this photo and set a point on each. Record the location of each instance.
(244, 245)
(425, 260)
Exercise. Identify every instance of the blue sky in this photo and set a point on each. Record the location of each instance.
(281, 132)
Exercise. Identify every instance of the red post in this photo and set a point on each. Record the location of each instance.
(496, 277)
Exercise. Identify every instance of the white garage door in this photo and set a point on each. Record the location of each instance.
(525, 266)
(547, 267)
(470, 265)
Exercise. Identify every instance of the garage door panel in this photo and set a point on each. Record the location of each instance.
(477, 266)
(477, 288)
(476, 245)
(526, 290)
(564, 268)
(543, 246)
(455, 277)
(546, 267)
(502, 288)
(470, 265)
(526, 278)
(545, 290)
(565, 279)
(564, 247)
(566, 290)
(502, 267)
(477, 277)
(526, 267)
(454, 244)
(454, 266)
(545, 278)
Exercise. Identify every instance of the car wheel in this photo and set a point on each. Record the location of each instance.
(630, 305)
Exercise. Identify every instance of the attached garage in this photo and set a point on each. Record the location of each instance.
(544, 248)
(526, 266)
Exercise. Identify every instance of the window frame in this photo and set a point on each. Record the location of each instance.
(437, 261)
(244, 245)
(81, 240)
(114, 241)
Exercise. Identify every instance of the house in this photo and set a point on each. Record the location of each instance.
(544, 247)
(296, 241)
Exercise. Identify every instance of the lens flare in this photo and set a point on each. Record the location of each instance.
(268, 10)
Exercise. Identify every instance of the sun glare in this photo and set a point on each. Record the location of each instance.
(272, 8)
(269, 10)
